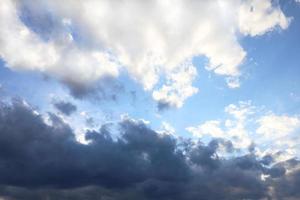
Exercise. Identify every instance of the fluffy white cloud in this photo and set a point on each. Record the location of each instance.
(153, 40)
(23, 49)
(281, 133)
(256, 17)
(178, 86)
(275, 126)
(211, 128)
(234, 128)
(167, 128)
(247, 124)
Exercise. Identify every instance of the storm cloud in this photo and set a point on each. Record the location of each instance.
(43, 160)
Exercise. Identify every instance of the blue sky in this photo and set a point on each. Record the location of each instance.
(268, 76)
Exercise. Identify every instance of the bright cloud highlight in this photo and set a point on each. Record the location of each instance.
(248, 125)
(152, 41)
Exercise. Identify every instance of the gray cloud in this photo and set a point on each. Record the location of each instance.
(106, 89)
(66, 108)
(44, 161)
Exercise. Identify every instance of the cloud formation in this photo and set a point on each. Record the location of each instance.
(234, 128)
(66, 108)
(153, 41)
(41, 160)
(247, 125)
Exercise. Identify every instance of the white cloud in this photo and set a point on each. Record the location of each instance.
(126, 117)
(167, 128)
(246, 124)
(280, 133)
(152, 40)
(256, 17)
(275, 126)
(23, 49)
(233, 129)
(240, 111)
(211, 128)
(178, 86)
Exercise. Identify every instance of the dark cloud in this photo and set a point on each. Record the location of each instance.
(287, 187)
(66, 108)
(41, 160)
(107, 89)
(162, 106)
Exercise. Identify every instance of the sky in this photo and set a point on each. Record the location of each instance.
(130, 99)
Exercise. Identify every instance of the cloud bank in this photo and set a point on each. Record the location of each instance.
(41, 160)
(154, 41)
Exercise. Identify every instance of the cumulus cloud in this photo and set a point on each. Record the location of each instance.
(280, 132)
(257, 17)
(234, 128)
(286, 187)
(167, 128)
(41, 160)
(247, 125)
(208, 128)
(177, 89)
(22, 48)
(151, 40)
(277, 126)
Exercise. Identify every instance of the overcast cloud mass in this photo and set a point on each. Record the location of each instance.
(43, 160)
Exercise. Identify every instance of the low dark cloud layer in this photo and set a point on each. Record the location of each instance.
(39, 160)
(66, 108)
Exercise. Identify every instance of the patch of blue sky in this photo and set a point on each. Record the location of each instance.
(32, 86)
(270, 78)
(273, 77)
